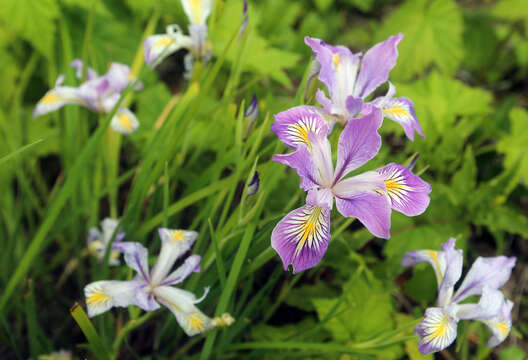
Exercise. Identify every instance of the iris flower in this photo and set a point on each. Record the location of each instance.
(350, 78)
(98, 93)
(301, 237)
(97, 240)
(158, 47)
(438, 329)
(150, 288)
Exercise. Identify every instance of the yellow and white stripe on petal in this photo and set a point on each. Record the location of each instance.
(298, 132)
(97, 299)
(397, 110)
(197, 10)
(56, 98)
(437, 330)
(307, 228)
(124, 121)
(396, 185)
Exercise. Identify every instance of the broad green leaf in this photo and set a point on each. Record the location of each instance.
(433, 35)
(465, 179)
(411, 346)
(511, 9)
(259, 56)
(504, 218)
(513, 146)
(480, 42)
(512, 353)
(33, 20)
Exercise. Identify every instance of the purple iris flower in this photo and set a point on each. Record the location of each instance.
(149, 288)
(97, 241)
(438, 329)
(350, 78)
(98, 93)
(302, 236)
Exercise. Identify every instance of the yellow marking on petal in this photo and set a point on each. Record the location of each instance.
(197, 10)
(195, 322)
(164, 41)
(308, 228)
(440, 329)
(51, 98)
(114, 254)
(94, 246)
(396, 111)
(395, 185)
(335, 60)
(434, 257)
(98, 297)
(125, 120)
(503, 328)
(176, 235)
(302, 133)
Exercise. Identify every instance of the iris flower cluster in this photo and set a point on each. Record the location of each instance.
(438, 329)
(152, 287)
(302, 236)
(99, 93)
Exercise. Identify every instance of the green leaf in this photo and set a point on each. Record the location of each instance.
(89, 331)
(504, 218)
(511, 9)
(465, 179)
(411, 346)
(259, 55)
(513, 146)
(433, 35)
(512, 353)
(33, 20)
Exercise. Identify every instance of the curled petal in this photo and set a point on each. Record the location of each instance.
(301, 237)
(101, 296)
(174, 244)
(158, 47)
(358, 143)
(191, 264)
(488, 307)
(485, 271)
(293, 126)
(452, 273)
(56, 98)
(409, 194)
(437, 331)
(500, 325)
(124, 121)
(435, 258)
(136, 257)
(181, 304)
(302, 162)
(376, 66)
(197, 10)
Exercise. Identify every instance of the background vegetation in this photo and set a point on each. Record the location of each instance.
(464, 64)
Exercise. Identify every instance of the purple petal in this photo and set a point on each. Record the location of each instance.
(488, 307)
(500, 325)
(56, 98)
(353, 106)
(293, 126)
(301, 237)
(369, 206)
(301, 161)
(118, 77)
(323, 100)
(409, 194)
(437, 331)
(136, 257)
(485, 271)
(376, 66)
(191, 264)
(359, 142)
(78, 65)
(453, 270)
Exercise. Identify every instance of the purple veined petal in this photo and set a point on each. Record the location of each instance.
(339, 68)
(174, 243)
(119, 76)
(358, 143)
(409, 194)
(376, 66)
(453, 270)
(321, 152)
(437, 331)
(302, 162)
(197, 10)
(124, 121)
(325, 102)
(301, 237)
(56, 98)
(78, 65)
(401, 110)
(191, 264)
(488, 307)
(485, 271)
(136, 257)
(181, 304)
(354, 106)
(500, 325)
(293, 126)
(101, 296)
(363, 197)
(92, 91)
(435, 258)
